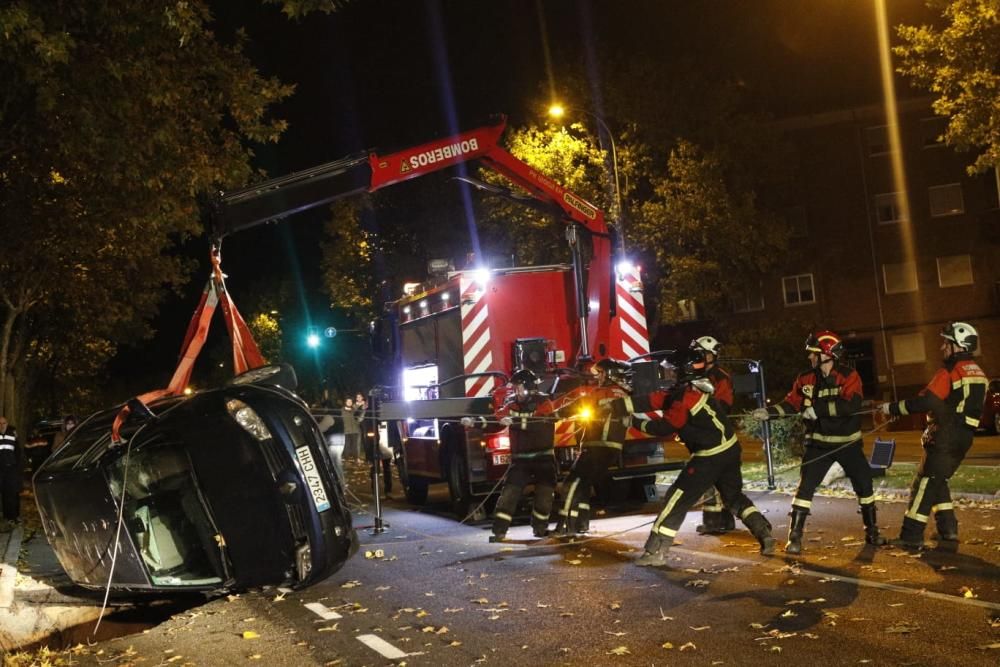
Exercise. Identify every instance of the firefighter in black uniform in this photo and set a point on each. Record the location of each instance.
(600, 445)
(531, 427)
(10, 475)
(954, 398)
(690, 410)
(715, 518)
(828, 396)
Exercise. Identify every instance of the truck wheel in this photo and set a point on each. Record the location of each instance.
(414, 487)
(462, 500)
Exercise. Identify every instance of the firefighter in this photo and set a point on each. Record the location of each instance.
(600, 446)
(690, 410)
(531, 427)
(715, 518)
(828, 397)
(954, 403)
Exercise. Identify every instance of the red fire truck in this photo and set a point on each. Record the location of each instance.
(457, 340)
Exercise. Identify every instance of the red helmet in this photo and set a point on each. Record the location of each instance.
(825, 342)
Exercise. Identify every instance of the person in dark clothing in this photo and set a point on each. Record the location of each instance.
(828, 396)
(10, 474)
(715, 518)
(531, 429)
(690, 411)
(954, 400)
(600, 446)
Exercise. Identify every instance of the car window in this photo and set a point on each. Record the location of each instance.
(166, 516)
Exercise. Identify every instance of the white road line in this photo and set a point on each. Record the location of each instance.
(382, 647)
(850, 580)
(323, 611)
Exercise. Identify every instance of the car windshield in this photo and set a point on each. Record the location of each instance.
(166, 516)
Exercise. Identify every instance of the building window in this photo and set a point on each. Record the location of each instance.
(687, 310)
(908, 349)
(798, 222)
(954, 270)
(900, 278)
(888, 208)
(932, 131)
(946, 200)
(749, 301)
(877, 139)
(798, 289)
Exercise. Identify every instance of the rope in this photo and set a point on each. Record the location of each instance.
(834, 451)
(118, 534)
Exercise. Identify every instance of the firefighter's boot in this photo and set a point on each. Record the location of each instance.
(582, 521)
(655, 554)
(947, 526)
(911, 535)
(715, 522)
(795, 528)
(760, 528)
(868, 516)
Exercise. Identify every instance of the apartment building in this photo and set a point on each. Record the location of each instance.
(893, 247)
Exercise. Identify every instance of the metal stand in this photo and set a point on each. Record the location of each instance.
(380, 526)
(765, 427)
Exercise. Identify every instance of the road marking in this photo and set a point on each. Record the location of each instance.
(382, 647)
(851, 580)
(323, 611)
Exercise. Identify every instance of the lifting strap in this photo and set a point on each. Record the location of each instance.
(246, 354)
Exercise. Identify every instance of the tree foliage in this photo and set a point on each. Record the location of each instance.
(114, 117)
(960, 64)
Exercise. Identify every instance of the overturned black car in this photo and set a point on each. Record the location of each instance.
(225, 489)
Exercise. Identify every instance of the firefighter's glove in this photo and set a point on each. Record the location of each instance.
(467, 422)
(884, 409)
(506, 421)
(605, 402)
(809, 413)
(760, 414)
(640, 424)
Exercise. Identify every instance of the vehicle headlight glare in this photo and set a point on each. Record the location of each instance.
(248, 418)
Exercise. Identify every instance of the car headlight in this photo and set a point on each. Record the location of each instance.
(248, 418)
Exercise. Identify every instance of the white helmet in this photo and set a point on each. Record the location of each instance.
(706, 343)
(961, 334)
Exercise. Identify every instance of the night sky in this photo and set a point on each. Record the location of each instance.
(390, 74)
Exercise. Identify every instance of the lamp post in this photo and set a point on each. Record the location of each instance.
(557, 111)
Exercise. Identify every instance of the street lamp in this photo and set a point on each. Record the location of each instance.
(558, 111)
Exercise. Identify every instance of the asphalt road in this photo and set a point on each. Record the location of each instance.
(439, 594)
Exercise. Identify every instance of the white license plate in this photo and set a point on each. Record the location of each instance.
(501, 459)
(313, 479)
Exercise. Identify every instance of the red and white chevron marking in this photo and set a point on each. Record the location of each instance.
(630, 336)
(476, 353)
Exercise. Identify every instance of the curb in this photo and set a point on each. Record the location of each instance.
(8, 575)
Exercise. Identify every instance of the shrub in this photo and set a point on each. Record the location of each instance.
(787, 436)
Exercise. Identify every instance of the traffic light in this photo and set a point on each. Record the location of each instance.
(312, 338)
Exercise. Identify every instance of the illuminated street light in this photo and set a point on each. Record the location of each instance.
(558, 111)
(312, 340)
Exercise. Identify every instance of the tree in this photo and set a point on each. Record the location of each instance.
(959, 64)
(114, 117)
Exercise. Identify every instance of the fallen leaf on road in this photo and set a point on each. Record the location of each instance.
(351, 584)
(967, 592)
(455, 643)
(480, 601)
(945, 568)
(902, 629)
(255, 656)
(664, 617)
(666, 645)
(698, 583)
(575, 562)
(382, 588)
(791, 602)
(789, 614)
(542, 605)
(758, 626)
(329, 628)
(453, 610)
(775, 649)
(422, 613)
(566, 614)
(620, 650)
(615, 634)
(817, 600)
(250, 634)
(688, 647)
(897, 604)
(615, 606)
(700, 627)
(989, 647)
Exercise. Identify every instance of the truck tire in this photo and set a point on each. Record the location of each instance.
(462, 500)
(415, 488)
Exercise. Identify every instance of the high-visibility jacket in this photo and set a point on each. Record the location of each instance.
(954, 395)
(533, 427)
(10, 448)
(836, 399)
(722, 380)
(695, 416)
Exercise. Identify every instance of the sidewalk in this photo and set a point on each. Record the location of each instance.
(37, 599)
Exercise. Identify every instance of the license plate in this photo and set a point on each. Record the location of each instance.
(501, 459)
(313, 479)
